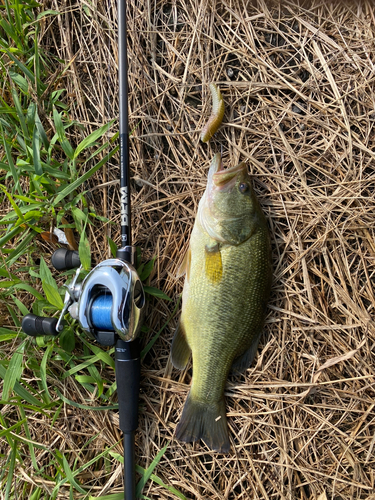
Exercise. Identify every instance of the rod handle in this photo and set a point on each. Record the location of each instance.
(39, 325)
(63, 259)
(128, 369)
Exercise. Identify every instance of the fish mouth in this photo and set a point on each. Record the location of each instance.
(227, 178)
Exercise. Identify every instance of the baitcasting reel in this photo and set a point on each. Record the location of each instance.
(108, 303)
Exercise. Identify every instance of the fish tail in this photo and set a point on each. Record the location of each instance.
(206, 421)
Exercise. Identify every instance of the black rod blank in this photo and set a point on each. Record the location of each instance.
(124, 127)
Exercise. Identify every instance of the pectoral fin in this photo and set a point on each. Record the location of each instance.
(180, 348)
(185, 265)
(244, 361)
(213, 263)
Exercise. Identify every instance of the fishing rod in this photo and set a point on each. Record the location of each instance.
(109, 302)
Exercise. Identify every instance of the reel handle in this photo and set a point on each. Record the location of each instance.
(36, 326)
(64, 259)
(128, 374)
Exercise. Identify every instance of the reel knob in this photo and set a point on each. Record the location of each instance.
(36, 326)
(63, 259)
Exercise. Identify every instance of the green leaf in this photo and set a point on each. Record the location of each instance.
(80, 367)
(70, 476)
(41, 131)
(67, 340)
(6, 334)
(36, 152)
(12, 167)
(49, 285)
(21, 391)
(92, 138)
(155, 292)
(68, 150)
(29, 289)
(48, 13)
(74, 185)
(113, 496)
(85, 407)
(9, 236)
(43, 371)
(150, 469)
(155, 338)
(45, 274)
(6, 431)
(20, 114)
(112, 246)
(102, 355)
(20, 81)
(84, 251)
(142, 471)
(147, 269)
(53, 296)
(11, 468)
(13, 372)
(85, 379)
(21, 247)
(13, 203)
(22, 67)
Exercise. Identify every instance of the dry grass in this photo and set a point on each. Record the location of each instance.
(299, 90)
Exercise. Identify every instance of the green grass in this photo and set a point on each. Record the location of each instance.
(42, 173)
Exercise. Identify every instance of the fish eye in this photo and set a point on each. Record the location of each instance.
(243, 187)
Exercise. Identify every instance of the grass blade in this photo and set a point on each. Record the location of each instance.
(74, 185)
(43, 371)
(49, 285)
(21, 391)
(155, 292)
(92, 138)
(36, 152)
(85, 407)
(12, 464)
(12, 167)
(148, 472)
(14, 372)
(28, 436)
(84, 251)
(68, 150)
(20, 248)
(155, 338)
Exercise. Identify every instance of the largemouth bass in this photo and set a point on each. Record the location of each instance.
(227, 285)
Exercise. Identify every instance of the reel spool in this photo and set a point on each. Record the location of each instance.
(111, 300)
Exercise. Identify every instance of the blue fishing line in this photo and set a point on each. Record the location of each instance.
(101, 312)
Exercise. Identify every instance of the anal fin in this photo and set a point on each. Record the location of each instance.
(244, 361)
(180, 348)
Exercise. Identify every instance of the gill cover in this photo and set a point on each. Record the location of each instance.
(227, 209)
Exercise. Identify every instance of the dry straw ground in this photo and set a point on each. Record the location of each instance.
(298, 83)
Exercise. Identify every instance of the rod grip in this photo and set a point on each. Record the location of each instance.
(39, 325)
(63, 259)
(128, 369)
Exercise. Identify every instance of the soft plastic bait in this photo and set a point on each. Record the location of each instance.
(217, 114)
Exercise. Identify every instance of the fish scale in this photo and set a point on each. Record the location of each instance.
(223, 310)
